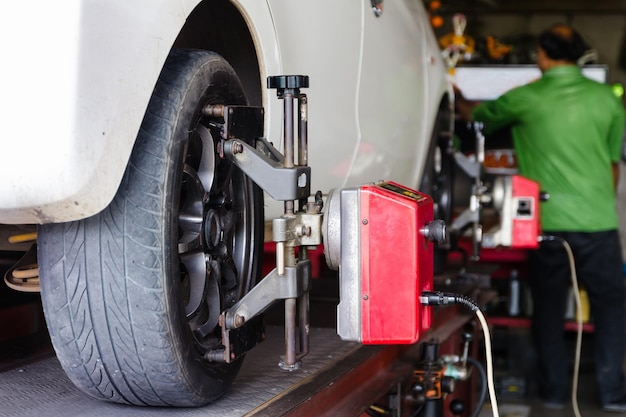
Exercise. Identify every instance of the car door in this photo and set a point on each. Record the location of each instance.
(393, 96)
(322, 40)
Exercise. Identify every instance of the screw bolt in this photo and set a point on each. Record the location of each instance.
(304, 230)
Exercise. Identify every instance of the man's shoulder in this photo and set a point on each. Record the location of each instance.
(584, 83)
(526, 91)
(602, 92)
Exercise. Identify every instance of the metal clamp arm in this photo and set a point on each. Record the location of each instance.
(271, 288)
(279, 182)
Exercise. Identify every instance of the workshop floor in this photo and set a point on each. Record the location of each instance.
(516, 377)
(513, 363)
(511, 350)
(531, 406)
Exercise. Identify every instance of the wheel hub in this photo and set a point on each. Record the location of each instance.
(213, 232)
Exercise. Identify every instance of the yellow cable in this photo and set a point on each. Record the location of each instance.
(24, 278)
(26, 272)
(489, 361)
(24, 237)
(579, 327)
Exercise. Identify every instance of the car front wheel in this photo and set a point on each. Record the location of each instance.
(133, 294)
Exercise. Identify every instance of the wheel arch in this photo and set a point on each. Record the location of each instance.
(437, 179)
(226, 28)
(441, 135)
(116, 60)
(442, 127)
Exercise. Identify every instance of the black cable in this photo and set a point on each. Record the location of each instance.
(550, 238)
(418, 411)
(440, 298)
(483, 386)
(579, 331)
(437, 298)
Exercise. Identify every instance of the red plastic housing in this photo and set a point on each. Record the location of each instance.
(396, 263)
(526, 221)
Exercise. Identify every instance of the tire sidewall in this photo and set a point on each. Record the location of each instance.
(207, 74)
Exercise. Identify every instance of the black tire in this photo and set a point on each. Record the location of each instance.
(132, 295)
(438, 179)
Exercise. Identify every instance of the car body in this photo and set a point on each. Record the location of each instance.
(80, 83)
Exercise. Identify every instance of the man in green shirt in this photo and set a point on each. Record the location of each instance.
(567, 132)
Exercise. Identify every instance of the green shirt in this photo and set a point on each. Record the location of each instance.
(567, 130)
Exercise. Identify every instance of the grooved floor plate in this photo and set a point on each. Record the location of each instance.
(42, 389)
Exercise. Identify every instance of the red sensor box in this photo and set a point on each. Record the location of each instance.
(386, 264)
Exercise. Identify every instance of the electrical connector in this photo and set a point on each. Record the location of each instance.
(437, 298)
(432, 298)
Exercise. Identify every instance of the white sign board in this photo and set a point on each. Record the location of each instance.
(489, 82)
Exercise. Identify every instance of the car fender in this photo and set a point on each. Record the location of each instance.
(81, 76)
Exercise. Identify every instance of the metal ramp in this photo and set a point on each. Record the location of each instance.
(337, 378)
(42, 389)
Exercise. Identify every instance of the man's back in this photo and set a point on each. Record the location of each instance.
(567, 130)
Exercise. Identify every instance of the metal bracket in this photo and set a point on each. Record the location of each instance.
(238, 341)
(243, 122)
(272, 288)
(267, 148)
(280, 177)
(474, 168)
(501, 234)
(471, 166)
(302, 229)
(279, 182)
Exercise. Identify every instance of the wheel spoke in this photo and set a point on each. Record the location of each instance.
(212, 297)
(198, 177)
(195, 264)
(214, 240)
(229, 274)
(207, 224)
(206, 169)
(191, 206)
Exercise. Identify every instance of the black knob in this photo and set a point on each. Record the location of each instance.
(447, 384)
(435, 231)
(288, 81)
(418, 388)
(467, 336)
(457, 407)
(544, 196)
(430, 351)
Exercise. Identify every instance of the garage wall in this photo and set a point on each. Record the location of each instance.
(602, 23)
(604, 32)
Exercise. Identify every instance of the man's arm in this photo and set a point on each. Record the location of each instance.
(463, 106)
(615, 168)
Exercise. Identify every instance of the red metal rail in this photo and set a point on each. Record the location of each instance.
(349, 386)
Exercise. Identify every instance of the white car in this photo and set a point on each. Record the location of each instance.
(106, 148)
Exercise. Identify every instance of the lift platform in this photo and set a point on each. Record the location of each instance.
(337, 378)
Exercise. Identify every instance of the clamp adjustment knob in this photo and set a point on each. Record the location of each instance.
(435, 231)
(281, 82)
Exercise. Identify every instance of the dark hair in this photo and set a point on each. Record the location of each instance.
(562, 42)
